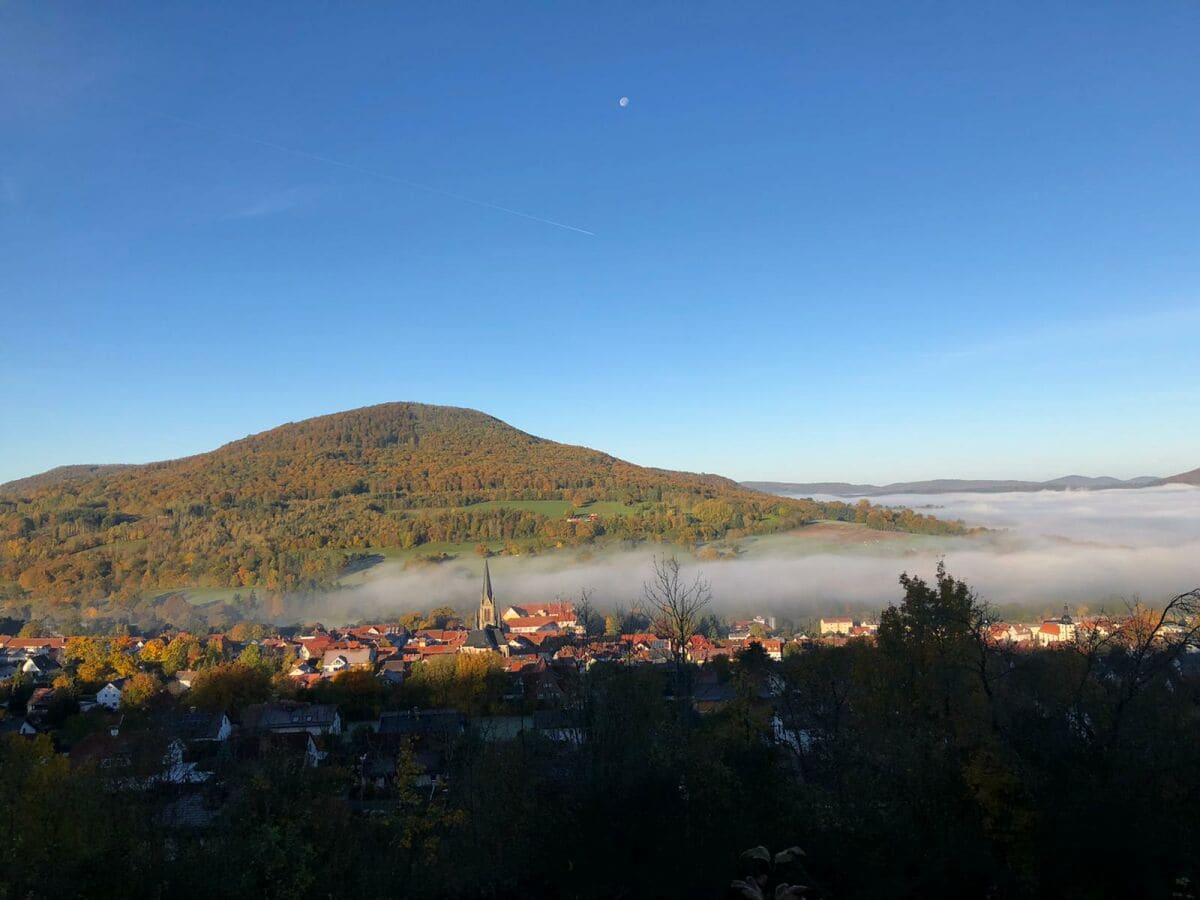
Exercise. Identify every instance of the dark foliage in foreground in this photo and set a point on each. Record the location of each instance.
(930, 764)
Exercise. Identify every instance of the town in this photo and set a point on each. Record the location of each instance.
(526, 659)
(417, 739)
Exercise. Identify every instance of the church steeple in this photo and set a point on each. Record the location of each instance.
(487, 602)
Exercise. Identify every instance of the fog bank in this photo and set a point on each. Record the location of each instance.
(1098, 548)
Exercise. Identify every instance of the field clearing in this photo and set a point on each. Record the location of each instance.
(203, 596)
(139, 544)
(554, 509)
(551, 509)
(828, 537)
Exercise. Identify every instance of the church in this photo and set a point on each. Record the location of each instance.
(488, 634)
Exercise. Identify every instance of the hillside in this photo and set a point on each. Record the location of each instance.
(1192, 477)
(952, 485)
(291, 507)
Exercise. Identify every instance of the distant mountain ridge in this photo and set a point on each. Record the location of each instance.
(1192, 477)
(968, 486)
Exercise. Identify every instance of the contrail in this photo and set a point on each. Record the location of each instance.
(373, 173)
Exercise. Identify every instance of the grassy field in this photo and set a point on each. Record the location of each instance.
(140, 544)
(841, 538)
(551, 509)
(554, 509)
(202, 596)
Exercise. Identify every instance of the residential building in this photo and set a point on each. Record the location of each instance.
(836, 625)
(287, 717)
(109, 696)
(341, 660)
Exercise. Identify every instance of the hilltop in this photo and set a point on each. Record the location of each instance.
(291, 507)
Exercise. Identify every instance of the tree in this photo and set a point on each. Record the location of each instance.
(152, 650)
(679, 606)
(938, 624)
(1143, 652)
(230, 688)
(179, 653)
(357, 693)
(252, 656)
(585, 613)
(443, 617)
(138, 689)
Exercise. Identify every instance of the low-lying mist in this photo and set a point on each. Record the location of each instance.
(1097, 548)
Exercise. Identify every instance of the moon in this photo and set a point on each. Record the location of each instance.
(623, 102)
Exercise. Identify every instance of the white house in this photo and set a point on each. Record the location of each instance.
(40, 666)
(109, 696)
(339, 660)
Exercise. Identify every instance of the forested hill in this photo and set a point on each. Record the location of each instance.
(290, 507)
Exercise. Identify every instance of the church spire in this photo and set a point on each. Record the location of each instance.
(487, 602)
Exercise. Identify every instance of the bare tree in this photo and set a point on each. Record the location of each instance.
(678, 605)
(585, 611)
(1154, 644)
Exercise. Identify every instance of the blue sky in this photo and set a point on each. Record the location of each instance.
(828, 241)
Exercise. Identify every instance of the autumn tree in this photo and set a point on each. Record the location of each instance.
(442, 617)
(230, 688)
(138, 690)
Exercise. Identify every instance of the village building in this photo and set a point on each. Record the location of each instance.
(343, 659)
(772, 647)
(533, 625)
(17, 725)
(203, 726)
(561, 612)
(392, 672)
(41, 667)
(292, 718)
(488, 634)
(489, 639)
(109, 696)
(836, 625)
(1057, 631)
